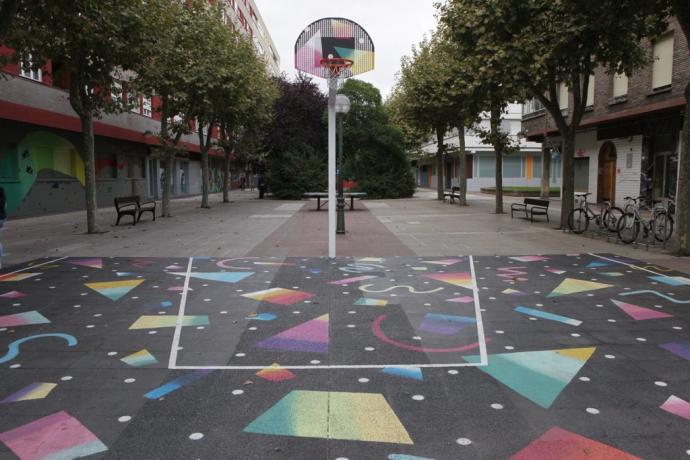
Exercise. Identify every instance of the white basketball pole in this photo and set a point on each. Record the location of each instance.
(332, 88)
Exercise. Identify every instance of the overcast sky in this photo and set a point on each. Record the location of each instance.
(394, 26)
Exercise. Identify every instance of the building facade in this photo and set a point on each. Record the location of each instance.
(520, 169)
(629, 138)
(41, 168)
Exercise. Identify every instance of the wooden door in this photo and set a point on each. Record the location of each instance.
(606, 188)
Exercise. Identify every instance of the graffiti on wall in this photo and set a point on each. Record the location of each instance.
(38, 151)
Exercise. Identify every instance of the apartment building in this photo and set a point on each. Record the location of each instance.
(629, 139)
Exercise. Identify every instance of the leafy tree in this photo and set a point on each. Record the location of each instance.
(295, 141)
(681, 10)
(543, 43)
(374, 149)
(93, 42)
(8, 10)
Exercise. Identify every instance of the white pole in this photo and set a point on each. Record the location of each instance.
(331, 166)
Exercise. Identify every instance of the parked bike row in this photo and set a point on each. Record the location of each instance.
(648, 221)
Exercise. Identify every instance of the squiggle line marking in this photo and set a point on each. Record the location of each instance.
(376, 329)
(410, 289)
(223, 263)
(360, 268)
(13, 348)
(663, 296)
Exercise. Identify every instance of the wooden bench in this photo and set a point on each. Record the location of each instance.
(324, 196)
(453, 193)
(531, 207)
(133, 206)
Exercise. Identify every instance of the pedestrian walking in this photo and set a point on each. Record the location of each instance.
(3, 216)
(243, 183)
(261, 183)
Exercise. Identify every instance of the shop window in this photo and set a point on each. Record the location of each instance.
(662, 67)
(106, 166)
(487, 166)
(512, 166)
(136, 167)
(9, 162)
(536, 166)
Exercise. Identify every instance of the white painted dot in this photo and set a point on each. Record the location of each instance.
(599, 305)
(641, 339)
(575, 334)
(66, 378)
(237, 392)
(497, 406)
(500, 332)
(196, 436)
(201, 327)
(611, 320)
(584, 379)
(76, 306)
(532, 318)
(207, 300)
(97, 315)
(677, 328)
(130, 380)
(90, 326)
(124, 418)
(240, 355)
(609, 357)
(418, 397)
(15, 366)
(509, 347)
(416, 337)
(363, 380)
(369, 348)
(351, 326)
(153, 332)
(315, 361)
(592, 410)
(659, 383)
(223, 312)
(112, 353)
(352, 312)
(463, 441)
(453, 372)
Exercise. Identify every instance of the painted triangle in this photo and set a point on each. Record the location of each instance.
(114, 290)
(640, 313)
(574, 286)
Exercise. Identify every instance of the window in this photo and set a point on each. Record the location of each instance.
(106, 166)
(536, 166)
(620, 85)
(116, 92)
(562, 96)
(512, 166)
(532, 106)
(133, 99)
(590, 92)
(146, 106)
(26, 70)
(136, 167)
(662, 68)
(487, 165)
(9, 161)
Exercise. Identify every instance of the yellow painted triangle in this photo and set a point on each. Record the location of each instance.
(582, 354)
(321, 318)
(573, 286)
(114, 284)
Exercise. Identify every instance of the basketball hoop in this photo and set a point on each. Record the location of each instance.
(337, 67)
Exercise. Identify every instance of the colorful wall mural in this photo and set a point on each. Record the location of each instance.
(20, 164)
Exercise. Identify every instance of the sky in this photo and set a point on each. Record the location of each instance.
(394, 26)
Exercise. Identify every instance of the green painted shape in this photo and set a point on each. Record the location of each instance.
(300, 413)
(539, 376)
(345, 53)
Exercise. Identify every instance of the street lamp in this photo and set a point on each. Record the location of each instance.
(342, 106)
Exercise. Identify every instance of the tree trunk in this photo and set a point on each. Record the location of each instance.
(226, 176)
(204, 168)
(89, 169)
(167, 180)
(683, 187)
(545, 171)
(440, 133)
(568, 176)
(462, 173)
(498, 149)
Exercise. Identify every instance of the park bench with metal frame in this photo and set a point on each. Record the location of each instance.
(133, 206)
(531, 207)
(322, 198)
(453, 193)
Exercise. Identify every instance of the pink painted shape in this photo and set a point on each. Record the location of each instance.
(463, 299)
(46, 436)
(352, 280)
(564, 445)
(13, 295)
(677, 406)
(91, 263)
(288, 298)
(178, 288)
(640, 313)
(315, 330)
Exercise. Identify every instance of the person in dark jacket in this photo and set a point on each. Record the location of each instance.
(3, 216)
(262, 186)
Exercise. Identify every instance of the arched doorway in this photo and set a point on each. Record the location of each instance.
(606, 188)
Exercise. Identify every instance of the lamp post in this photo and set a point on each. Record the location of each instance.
(342, 106)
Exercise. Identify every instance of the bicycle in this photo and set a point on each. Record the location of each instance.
(579, 218)
(660, 225)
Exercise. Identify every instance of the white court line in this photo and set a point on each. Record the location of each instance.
(172, 363)
(636, 267)
(484, 359)
(32, 267)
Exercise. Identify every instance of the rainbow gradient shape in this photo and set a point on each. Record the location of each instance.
(371, 302)
(461, 299)
(444, 262)
(539, 376)
(26, 318)
(58, 435)
(177, 383)
(38, 390)
(510, 291)
(565, 445)
(547, 315)
(140, 358)
(275, 373)
(91, 263)
(461, 279)
(640, 313)
(159, 321)
(677, 406)
(574, 286)
(413, 373)
(279, 296)
(13, 295)
(311, 336)
(363, 417)
(681, 349)
(17, 276)
(529, 258)
(114, 290)
(354, 279)
(223, 277)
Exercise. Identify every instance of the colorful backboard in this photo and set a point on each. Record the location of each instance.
(330, 38)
